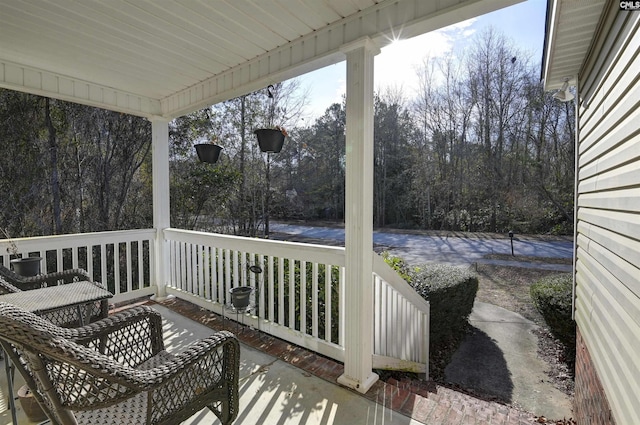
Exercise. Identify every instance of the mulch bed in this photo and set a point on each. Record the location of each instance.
(561, 363)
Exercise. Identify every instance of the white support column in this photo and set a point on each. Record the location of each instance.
(359, 218)
(160, 176)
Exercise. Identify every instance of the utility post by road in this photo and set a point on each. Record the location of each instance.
(511, 237)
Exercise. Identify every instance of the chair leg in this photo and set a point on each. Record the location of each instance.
(10, 371)
(221, 408)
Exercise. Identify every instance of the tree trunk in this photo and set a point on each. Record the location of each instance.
(53, 162)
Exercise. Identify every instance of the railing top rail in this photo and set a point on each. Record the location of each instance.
(37, 243)
(298, 251)
(295, 250)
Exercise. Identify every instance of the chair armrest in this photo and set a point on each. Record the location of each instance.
(6, 287)
(58, 278)
(207, 370)
(205, 366)
(221, 348)
(130, 337)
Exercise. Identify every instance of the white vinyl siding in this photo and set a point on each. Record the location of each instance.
(608, 254)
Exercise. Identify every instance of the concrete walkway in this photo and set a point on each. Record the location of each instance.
(499, 359)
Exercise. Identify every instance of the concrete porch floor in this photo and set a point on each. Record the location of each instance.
(284, 384)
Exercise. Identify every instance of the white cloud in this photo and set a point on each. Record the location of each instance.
(396, 64)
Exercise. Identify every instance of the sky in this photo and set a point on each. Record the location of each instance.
(395, 66)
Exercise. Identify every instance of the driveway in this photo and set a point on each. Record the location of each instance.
(416, 249)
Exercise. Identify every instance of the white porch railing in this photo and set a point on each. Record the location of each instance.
(205, 266)
(401, 328)
(123, 261)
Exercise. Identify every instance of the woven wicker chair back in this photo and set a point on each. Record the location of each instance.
(116, 370)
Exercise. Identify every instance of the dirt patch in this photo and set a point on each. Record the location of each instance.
(535, 260)
(509, 288)
(561, 365)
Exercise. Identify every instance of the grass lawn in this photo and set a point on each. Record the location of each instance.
(508, 287)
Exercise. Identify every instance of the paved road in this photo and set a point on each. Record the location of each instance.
(442, 249)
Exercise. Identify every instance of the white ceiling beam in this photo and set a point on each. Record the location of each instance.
(39, 82)
(387, 20)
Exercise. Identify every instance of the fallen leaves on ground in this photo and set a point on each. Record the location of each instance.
(561, 364)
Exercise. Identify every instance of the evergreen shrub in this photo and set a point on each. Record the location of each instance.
(552, 296)
(451, 292)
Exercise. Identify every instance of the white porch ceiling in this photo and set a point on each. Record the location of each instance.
(571, 26)
(171, 57)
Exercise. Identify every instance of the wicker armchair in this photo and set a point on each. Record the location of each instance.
(115, 371)
(49, 279)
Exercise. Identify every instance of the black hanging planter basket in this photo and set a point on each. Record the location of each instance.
(208, 152)
(270, 140)
(240, 297)
(27, 266)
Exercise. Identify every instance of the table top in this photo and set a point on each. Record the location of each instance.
(53, 297)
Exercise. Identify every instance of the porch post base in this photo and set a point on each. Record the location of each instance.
(361, 387)
(160, 298)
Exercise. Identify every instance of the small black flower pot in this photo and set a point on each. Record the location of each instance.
(270, 140)
(27, 266)
(240, 297)
(208, 152)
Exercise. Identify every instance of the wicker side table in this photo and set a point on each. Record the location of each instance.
(81, 295)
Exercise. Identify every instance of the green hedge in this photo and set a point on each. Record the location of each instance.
(451, 292)
(552, 296)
